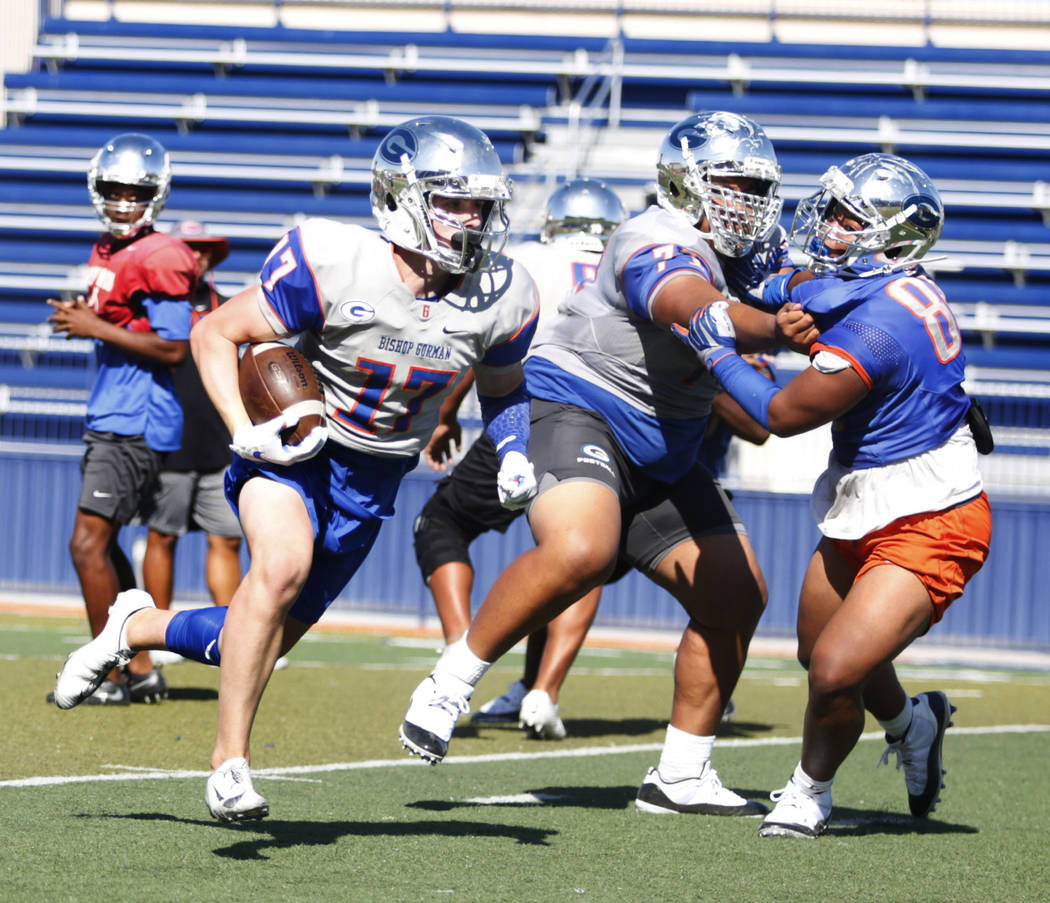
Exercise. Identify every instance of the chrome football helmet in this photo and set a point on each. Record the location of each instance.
(586, 211)
(697, 154)
(898, 205)
(433, 157)
(129, 160)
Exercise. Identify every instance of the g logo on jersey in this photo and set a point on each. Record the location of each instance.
(357, 311)
(398, 143)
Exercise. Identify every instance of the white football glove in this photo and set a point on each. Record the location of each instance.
(711, 332)
(516, 481)
(262, 442)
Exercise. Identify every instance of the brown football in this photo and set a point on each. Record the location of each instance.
(275, 378)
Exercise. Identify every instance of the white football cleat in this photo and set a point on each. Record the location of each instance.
(85, 668)
(230, 795)
(432, 715)
(539, 717)
(919, 751)
(797, 813)
(705, 795)
(503, 709)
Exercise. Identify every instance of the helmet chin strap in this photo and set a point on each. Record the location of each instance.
(467, 249)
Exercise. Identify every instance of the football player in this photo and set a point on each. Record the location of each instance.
(580, 216)
(620, 406)
(138, 312)
(390, 323)
(189, 492)
(901, 507)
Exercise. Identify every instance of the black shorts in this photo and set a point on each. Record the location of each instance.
(570, 443)
(117, 473)
(464, 505)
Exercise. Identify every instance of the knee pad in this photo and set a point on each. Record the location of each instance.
(194, 634)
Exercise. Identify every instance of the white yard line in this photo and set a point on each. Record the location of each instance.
(137, 773)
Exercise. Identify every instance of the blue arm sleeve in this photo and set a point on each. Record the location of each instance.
(752, 391)
(506, 420)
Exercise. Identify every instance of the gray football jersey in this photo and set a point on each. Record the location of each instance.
(384, 357)
(597, 337)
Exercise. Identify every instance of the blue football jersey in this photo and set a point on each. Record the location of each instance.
(901, 337)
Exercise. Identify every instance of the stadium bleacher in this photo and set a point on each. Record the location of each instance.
(270, 125)
(272, 111)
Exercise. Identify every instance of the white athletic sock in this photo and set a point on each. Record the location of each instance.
(684, 755)
(898, 727)
(810, 785)
(459, 662)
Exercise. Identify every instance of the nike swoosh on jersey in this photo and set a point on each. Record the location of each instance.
(101, 495)
(208, 649)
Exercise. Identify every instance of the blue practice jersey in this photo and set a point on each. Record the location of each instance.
(900, 336)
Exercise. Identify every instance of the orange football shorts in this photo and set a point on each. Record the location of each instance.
(944, 549)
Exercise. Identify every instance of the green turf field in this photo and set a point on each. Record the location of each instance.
(101, 804)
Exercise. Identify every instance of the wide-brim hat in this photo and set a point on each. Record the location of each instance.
(196, 235)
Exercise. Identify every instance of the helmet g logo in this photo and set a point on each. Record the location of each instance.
(400, 142)
(725, 132)
(921, 211)
(688, 131)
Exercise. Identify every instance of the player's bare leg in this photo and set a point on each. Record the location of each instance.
(89, 548)
(719, 583)
(451, 585)
(158, 567)
(849, 634)
(565, 636)
(534, 647)
(539, 714)
(222, 567)
(252, 636)
(573, 555)
(883, 612)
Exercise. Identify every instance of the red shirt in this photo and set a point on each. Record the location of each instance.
(121, 274)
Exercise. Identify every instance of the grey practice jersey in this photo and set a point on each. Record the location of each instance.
(598, 337)
(384, 357)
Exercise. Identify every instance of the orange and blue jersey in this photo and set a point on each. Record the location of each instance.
(900, 336)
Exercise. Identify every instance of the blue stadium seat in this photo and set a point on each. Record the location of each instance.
(45, 219)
